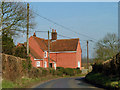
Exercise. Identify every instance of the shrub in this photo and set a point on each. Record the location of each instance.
(27, 64)
(69, 71)
(34, 72)
(59, 73)
(97, 68)
(44, 72)
(60, 68)
(77, 71)
(20, 52)
(51, 71)
(7, 44)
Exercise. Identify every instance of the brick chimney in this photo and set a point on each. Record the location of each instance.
(54, 34)
(34, 34)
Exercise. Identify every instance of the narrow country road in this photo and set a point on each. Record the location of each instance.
(67, 83)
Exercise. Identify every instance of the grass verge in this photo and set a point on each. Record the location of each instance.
(102, 80)
(29, 82)
(25, 82)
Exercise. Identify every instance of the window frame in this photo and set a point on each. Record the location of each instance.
(37, 63)
(45, 54)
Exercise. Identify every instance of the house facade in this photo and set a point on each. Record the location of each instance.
(63, 52)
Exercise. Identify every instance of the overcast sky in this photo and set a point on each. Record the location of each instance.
(91, 19)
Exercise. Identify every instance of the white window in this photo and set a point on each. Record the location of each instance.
(38, 63)
(45, 54)
(79, 64)
(45, 64)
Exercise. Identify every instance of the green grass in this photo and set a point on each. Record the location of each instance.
(100, 79)
(25, 82)
(28, 82)
(8, 84)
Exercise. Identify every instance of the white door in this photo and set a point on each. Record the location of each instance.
(38, 63)
(45, 64)
(55, 65)
(79, 64)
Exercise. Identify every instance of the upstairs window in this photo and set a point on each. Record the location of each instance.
(45, 54)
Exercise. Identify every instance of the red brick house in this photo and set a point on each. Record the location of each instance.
(63, 52)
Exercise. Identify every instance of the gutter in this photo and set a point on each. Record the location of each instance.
(65, 52)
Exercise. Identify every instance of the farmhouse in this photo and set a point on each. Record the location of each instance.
(63, 52)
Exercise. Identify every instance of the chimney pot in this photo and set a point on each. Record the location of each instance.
(54, 34)
(52, 30)
(34, 34)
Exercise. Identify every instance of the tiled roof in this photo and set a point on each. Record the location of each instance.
(34, 54)
(64, 45)
(58, 45)
(43, 45)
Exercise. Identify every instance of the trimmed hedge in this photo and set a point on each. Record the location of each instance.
(67, 71)
(15, 68)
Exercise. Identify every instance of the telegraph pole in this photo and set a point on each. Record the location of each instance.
(87, 56)
(27, 28)
(2, 16)
(48, 50)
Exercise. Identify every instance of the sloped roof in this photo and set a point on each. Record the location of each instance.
(64, 45)
(43, 45)
(58, 45)
(34, 54)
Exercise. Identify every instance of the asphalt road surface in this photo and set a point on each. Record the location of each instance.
(67, 83)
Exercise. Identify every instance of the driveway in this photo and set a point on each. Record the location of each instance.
(67, 83)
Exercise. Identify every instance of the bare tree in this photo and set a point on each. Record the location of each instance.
(14, 17)
(107, 47)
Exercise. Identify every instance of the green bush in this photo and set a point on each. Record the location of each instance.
(77, 71)
(69, 71)
(20, 52)
(44, 72)
(27, 64)
(59, 73)
(97, 68)
(51, 71)
(7, 44)
(34, 72)
(60, 68)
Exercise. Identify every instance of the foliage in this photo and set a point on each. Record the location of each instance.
(8, 84)
(103, 80)
(60, 69)
(109, 67)
(59, 73)
(14, 17)
(20, 52)
(27, 64)
(44, 72)
(7, 45)
(97, 67)
(107, 47)
(51, 71)
(77, 71)
(69, 71)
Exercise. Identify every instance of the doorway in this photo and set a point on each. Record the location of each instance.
(50, 65)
